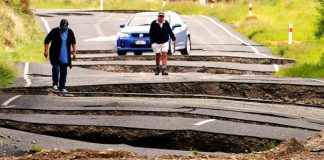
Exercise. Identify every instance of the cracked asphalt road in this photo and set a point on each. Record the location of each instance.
(96, 32)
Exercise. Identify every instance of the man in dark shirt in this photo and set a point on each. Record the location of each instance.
(61, 39)
(159, 35)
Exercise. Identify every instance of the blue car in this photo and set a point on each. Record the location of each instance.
(134, 36)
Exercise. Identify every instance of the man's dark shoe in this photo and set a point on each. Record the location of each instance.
(157, 71)
(164, 72)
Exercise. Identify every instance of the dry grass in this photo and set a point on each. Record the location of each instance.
(20, 40)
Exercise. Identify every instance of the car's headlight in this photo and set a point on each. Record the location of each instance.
(123, 35)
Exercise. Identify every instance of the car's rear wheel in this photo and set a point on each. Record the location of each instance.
(186, 50)
(121, 53)
(171, 48)
(138, 53)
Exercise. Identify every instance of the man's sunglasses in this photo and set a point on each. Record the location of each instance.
(161, 16)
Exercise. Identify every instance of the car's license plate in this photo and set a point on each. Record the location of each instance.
(140, 42)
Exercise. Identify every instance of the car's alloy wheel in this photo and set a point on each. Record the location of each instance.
(187, 50)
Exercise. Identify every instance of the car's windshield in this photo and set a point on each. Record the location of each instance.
(143, 20)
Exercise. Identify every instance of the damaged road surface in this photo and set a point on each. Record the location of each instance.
(159, 124)
(220, 99)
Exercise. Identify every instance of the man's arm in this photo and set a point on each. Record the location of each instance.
(151, 34)
(171, 33)
(46, 46)
(74, 46)
(47, 40)
(74, 51)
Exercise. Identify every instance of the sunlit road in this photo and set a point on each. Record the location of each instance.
(115, 93)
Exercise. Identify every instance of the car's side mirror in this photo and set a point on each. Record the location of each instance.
(176, 25)
(122, 26)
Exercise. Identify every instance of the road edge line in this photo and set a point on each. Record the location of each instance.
(7, 102)
(26, 77)
(256, 51)
(276, 67)
(47, 27)
(319, 80)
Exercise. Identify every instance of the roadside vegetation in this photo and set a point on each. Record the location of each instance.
(268, 26)
(20, 38)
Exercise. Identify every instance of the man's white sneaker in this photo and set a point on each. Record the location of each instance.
(64, 91)
(55, 88)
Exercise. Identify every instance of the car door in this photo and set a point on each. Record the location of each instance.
(180, 32)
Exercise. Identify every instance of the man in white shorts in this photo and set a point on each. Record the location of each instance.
(159, 35)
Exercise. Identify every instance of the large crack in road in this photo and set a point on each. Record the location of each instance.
(163, 139)
(172, 69)
(279, 93)
(244, 60)
(115, 126)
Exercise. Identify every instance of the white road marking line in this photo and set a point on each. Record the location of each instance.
(318, 80)
(26, 77)
(26, 69)
(6, 103)
(276, 67)
(97, 25)
(256, 51)
(213, 34)
(204, 122)
(234, 36)
(47, 27)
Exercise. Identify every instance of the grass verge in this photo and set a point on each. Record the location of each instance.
(269, 26)
(20, 40)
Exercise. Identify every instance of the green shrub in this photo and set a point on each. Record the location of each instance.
(36, 149)
(320, 22)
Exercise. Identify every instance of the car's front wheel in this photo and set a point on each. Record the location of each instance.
(138, 53)
(121, 53)
(186, 50)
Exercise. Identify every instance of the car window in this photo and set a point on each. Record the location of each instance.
(176, 19)
(143, 20)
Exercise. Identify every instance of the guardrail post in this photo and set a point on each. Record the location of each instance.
(101, 4)
(250, 9)
(290, 36)
(164, 3)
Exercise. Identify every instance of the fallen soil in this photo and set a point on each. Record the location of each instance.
(288, 150)
(244, 60)
(172, 69)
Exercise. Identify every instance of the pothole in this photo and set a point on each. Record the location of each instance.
(244, 60)
(173, 69)
(163, 139)
(281, 93)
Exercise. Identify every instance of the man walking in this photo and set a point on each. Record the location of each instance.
(159, 35)
(61, 39)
